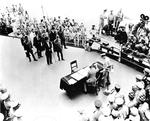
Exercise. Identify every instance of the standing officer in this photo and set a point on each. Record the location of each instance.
(27, 47)
(52, 34)
(106, 69)
(101, 21)
(62, 36)
(118, 19)
(37, 44)
(48, 50)
(58, 47)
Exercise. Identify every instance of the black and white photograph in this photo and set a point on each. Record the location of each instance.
(74, 60)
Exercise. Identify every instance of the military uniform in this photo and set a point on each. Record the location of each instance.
(106, 110)
(134, 115)
(142, 109)
(37, 43)
(48, 51)
(1, 117)
(97, 112)
(147, 115)
(27, 47)
(121, 111)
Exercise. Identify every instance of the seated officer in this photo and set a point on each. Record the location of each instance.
(91, 76)
(92, 73)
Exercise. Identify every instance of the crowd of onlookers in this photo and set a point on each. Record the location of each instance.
(134, 38)
(132, 106)
(49, 34)
(9, 107)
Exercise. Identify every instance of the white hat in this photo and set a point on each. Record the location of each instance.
(117, 86)
(98, 103)
(4, 96)
(139, 77)
(115, 113)
(147, 114)
(111, 98)
(19, 113)
(1, 117)
(106, 111)
(119, 101)
(3, 88)
(140, 85)
(148, 79)
(134, 111)
(147, 70)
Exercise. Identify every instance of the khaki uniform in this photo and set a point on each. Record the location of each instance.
(96, 115)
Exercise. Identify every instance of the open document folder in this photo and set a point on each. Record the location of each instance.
(80, 74)
(77, 76)
(72, 81)
(84, 71)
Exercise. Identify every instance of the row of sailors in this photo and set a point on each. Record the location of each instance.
(118, 108)
(9, 108)
(10, 14)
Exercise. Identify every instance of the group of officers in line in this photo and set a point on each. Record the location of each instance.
(49, 41)
(119, 107)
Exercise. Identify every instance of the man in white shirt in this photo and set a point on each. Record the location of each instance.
(118, 19)
(101, 21)
(93, 31)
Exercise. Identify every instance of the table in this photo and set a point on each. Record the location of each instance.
(132, 60)
(112, 50)
(75, 82)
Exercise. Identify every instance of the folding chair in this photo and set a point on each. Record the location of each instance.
(74, 66)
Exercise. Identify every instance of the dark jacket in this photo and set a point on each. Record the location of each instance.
(52, 36)
(48, 48)
(61, 35)
(122, 37)
(26, 43)
(36, 42)
(57, 45)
